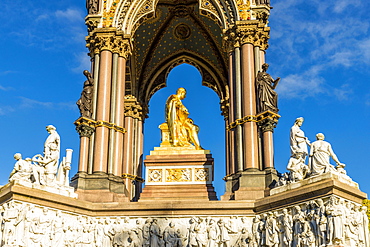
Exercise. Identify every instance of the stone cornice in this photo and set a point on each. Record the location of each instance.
(108, 39)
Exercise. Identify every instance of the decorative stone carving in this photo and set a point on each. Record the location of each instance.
(320, 154)
(244, 7)
(47, 165)
(345, 222)
(64, 167)
(133, 108)
(42, 171)
(108, 39)
(92, 7)
(85, 101)
(298, 169)
(253, 32)
(85, 130)
(267, 97)
(298, 140)
(22, 170)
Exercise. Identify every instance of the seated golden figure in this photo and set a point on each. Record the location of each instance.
(183, 131)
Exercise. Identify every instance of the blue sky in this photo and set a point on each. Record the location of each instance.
(320, 49)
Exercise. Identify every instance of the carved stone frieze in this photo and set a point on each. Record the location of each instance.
(109, 39)
(326, 221)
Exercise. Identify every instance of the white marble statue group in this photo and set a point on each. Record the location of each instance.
(330, 221)
(318, 156)
(43, 169)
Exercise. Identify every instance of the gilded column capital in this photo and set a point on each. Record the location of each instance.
(133, 108)
(253, 32)
(108, 39)
(230, 39)
(85, 127)
(267, 121)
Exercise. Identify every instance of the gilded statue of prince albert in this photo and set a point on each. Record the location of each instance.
(182, 129)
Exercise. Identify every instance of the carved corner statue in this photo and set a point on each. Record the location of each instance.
(320, 154)
(319, 157)
(43, 169)
(298, 141)
(48, 164)
(183, 131)
(85, 101)
(266, 90)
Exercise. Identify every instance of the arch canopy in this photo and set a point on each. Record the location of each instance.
(178, 33)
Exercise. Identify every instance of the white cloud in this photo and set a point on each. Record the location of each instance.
(31, 103)
(2, 88)
(307, 84)
(314, 40)
(6, 109)
(344, 92)
(83, 61)
(72, 15)
(42, 17)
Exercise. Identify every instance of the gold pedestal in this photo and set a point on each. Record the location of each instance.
(178, 173)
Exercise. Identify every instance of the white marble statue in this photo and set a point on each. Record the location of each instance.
(63, 170)
(296, 166)
(48, 163)
(22, 170)
(42, 171)
(320, 154)
(298, 141)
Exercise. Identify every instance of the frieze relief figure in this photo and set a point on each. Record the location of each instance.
(266, 90)
(303, 225)
(183, 131)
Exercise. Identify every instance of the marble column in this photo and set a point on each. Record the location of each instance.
(117, 157)
(231, 169)
(238, 111)
(103, 113)
(85, 133)
(250, 136)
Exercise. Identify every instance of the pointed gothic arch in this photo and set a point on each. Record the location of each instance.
(133, 46)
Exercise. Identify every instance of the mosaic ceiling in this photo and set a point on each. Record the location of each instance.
(178, 34)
